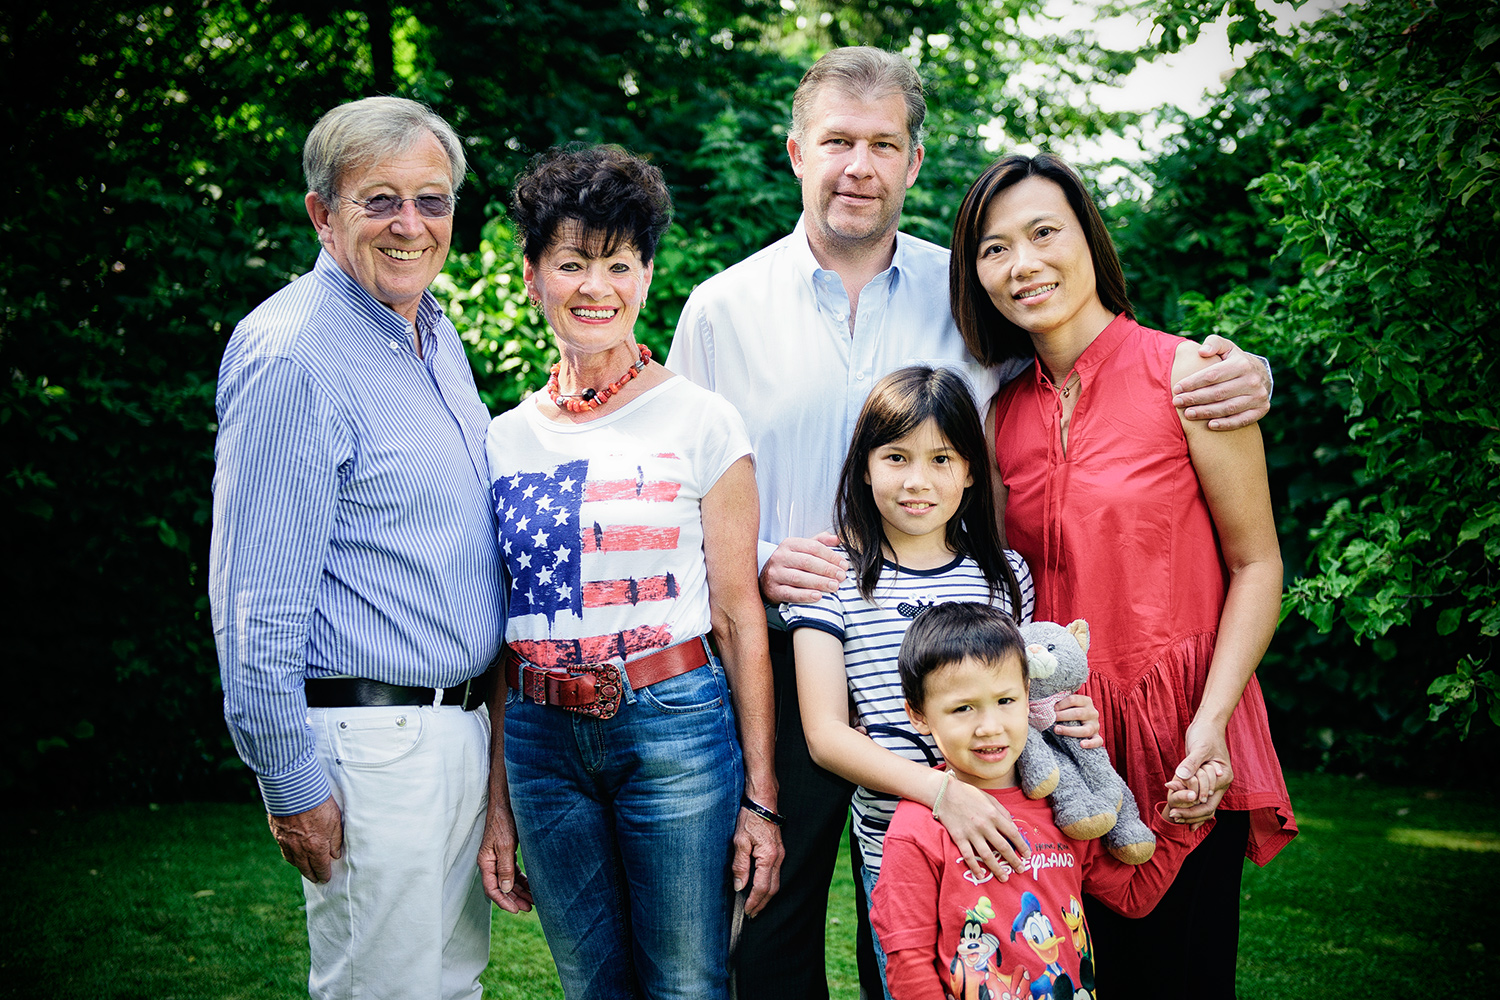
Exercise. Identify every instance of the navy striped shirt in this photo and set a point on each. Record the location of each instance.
(871, 632)
(352, 526)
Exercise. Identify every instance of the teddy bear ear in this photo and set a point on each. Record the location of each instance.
(1079, 629)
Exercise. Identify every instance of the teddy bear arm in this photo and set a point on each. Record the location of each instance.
(1130, 840)
(1036, 768)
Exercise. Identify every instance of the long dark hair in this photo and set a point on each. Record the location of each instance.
(900, 403)
(990, 337)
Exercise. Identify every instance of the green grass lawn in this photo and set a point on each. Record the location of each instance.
(1384, 893)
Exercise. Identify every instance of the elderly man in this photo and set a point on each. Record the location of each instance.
(354, 575)
(794, 336)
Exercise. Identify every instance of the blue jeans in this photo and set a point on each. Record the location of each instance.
(869, 879)
(626, 829)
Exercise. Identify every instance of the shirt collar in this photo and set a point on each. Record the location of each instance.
(802, 256)
(1099, 351)
(808, 265)
(1104, 345)
(827, 282)
(384, 322)
(904, 252)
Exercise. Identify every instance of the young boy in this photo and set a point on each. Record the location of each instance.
(946, 933)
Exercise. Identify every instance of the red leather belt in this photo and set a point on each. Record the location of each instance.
(594, 688)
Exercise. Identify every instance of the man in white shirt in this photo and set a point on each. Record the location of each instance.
(794, 336)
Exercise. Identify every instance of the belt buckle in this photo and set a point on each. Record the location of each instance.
(608, 690)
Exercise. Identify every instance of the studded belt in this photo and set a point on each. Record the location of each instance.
(594, 689)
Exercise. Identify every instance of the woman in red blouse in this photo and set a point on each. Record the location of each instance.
(1152, 527)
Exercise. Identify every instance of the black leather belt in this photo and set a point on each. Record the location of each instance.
(358, 692)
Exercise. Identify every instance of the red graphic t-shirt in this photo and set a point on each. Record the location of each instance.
(947, 934)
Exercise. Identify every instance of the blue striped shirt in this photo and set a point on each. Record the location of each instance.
(353, 533)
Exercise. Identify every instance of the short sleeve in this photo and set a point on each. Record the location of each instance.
(722, 439)
(826, 615)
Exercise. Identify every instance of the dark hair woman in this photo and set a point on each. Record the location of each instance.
(628, 516)
(1154, 529)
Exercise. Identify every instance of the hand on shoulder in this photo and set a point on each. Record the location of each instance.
(1217, 382)
(802, 570)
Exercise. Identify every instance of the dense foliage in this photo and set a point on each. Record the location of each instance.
(156, 198)
(149, 210)
(1336, 209)
(1394, 219)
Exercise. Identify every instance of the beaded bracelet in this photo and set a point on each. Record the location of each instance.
(766, 814)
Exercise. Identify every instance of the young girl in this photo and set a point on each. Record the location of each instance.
(916, 521)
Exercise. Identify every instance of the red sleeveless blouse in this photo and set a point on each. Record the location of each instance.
(1117, 532)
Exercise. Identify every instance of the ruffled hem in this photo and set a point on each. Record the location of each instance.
(1144, 724)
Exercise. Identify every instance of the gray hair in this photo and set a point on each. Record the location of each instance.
(367, 131)
(866, 73)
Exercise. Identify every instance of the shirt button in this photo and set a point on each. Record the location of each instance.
(860, 377)
(343, 725)
(400, 720)
(394, 346)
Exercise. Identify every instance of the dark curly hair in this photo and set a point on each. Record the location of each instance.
(617, 197)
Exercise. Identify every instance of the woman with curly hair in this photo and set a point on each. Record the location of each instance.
(636, 654)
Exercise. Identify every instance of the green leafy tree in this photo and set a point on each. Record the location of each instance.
(150, 149)
(1395, 221)
(1372, 131)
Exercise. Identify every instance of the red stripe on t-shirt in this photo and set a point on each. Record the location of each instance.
(552, 653)
(626, 538)
(631, 489)
(598, 593)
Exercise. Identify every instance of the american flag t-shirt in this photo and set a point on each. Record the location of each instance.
(600, 527)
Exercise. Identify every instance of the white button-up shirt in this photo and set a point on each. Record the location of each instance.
(771, 334)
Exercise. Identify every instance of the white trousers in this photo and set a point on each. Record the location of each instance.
(404, 916)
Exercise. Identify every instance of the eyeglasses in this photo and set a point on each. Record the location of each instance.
(388, 206)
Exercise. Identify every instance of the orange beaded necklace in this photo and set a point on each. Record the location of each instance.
(592, 399)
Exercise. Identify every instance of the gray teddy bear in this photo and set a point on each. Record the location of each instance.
(1088, 798)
